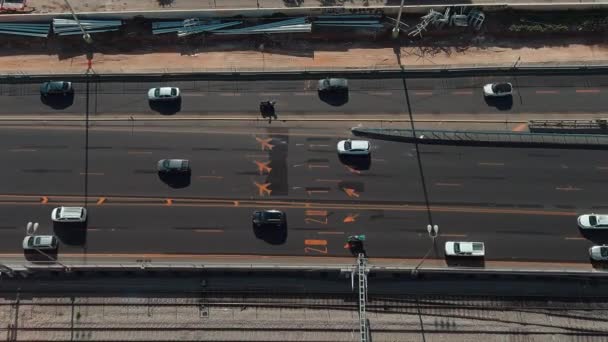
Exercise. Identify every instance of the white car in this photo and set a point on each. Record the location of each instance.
(354, 147)
(69, 214)
(163, 93)
(463, 248)
(593, 221)
(599, 253)
(40, 242)
(498, 89)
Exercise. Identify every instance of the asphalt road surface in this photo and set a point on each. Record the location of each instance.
(543, 94)
(521, 202)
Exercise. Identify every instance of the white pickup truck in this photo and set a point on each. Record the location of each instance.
(464, 248)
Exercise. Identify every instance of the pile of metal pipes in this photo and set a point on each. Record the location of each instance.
(65, 27)
(190, 26)
(24, 29)
(297, 25)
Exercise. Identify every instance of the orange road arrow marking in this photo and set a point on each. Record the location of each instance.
(351, 192)
(263, 166)
(351, 218)
(316, 213)
(265, 143)
(101, 200)
(315, 242)
(263, 188)
(44, 200)
(169, 201)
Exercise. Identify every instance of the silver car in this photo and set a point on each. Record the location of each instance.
(327, 85)
(40, 242)
(163, 93)
(354, 147)
(173, 166)
(598, 253)
(593, 221)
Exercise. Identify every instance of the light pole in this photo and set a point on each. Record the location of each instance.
(398, 22)
(87, 37)
(433, 232)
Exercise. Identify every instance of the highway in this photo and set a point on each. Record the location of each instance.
(514, 200)
(546, 94)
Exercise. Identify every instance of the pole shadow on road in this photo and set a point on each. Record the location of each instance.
(58, 102)
(71, 233)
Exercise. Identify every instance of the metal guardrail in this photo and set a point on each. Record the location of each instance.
(479, 138)
(375, 72)
(598, 126)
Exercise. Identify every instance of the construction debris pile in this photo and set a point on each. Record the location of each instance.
(458, 17)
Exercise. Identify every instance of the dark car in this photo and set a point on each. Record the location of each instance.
(173, 166)
(273, 218)
(56, 88)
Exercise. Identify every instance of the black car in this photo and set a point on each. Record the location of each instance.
(56, 88)
(273, 218)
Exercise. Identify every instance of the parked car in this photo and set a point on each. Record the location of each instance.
(593, 221)
(56, 88)
(464, 248)
(40, 242)
(328, 85)
(354, 147)
(69, 214)
(598, 253)
(163, 94)
(498, 89)
(173, 166)
(271, 217)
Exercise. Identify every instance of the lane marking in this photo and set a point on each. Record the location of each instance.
(380, 93)
(208, 230)
(453, 235)
(229, 94)
(448, 184)
(44, 200)
(169, 201)
(462, 92)
(22, 150)
(330, 233)
(423, 93)
(304, 94)
(92, 173)
(547, 92)
(574, 238)
(328, 180)
(315, 242)
(211, 177)
(520, 128)
(270, 94)
(312, 220)
(589, 91)
(568, 188)
(316, 213)
(139, 152)
(101, 200)
(602, 167)
(490, 164)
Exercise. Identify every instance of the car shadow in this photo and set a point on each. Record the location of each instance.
(500, 103)
(335, 99)
(45, 256)
(58, 101)
(176, 181)
(465, 261)
(271, 234)
(359, 163)
(597, 237)
(71, 233)
(166, 107)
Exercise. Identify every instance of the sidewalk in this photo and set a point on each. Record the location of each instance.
(320, 57)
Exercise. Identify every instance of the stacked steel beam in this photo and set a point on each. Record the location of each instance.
(25, 29)
(65, 27)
